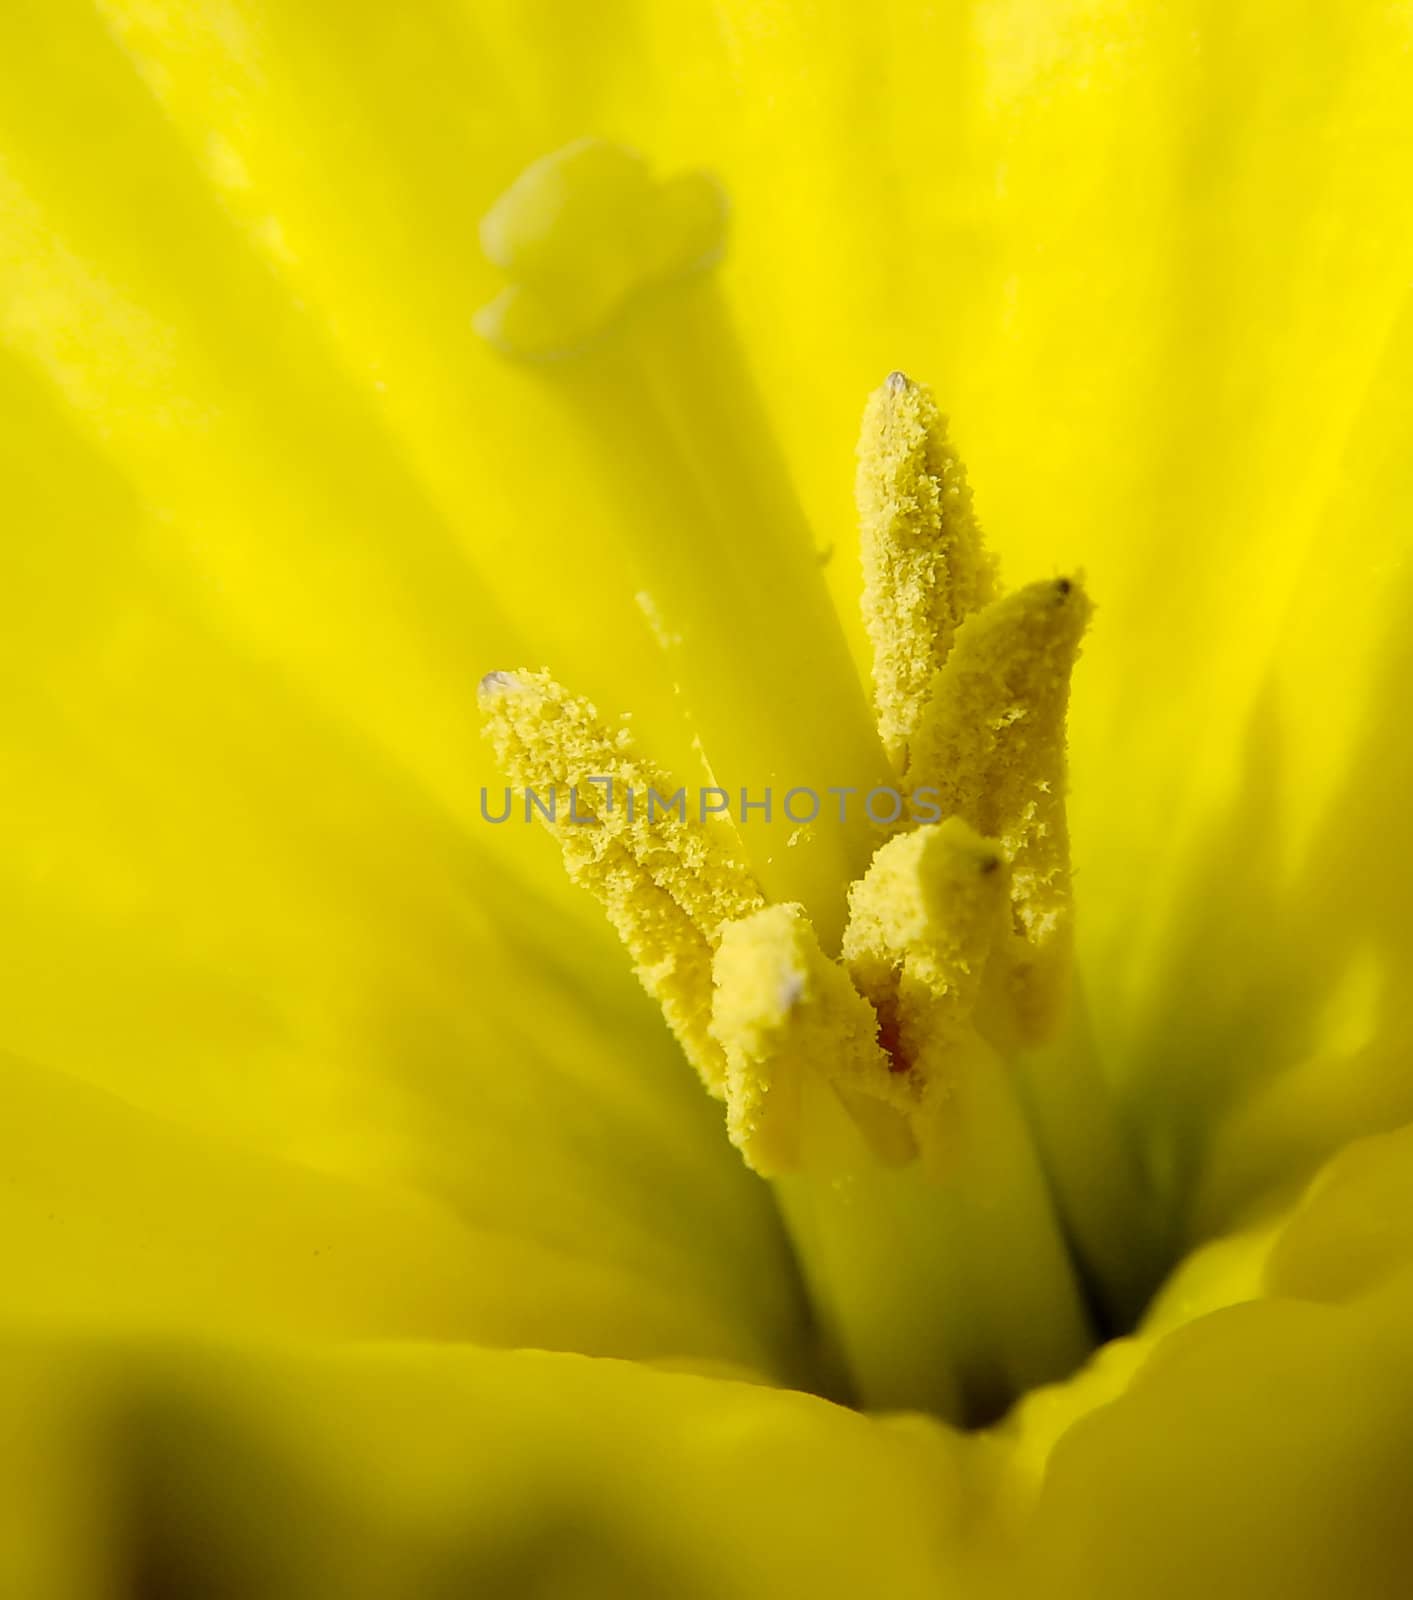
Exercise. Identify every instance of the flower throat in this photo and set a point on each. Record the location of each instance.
(888, 1012)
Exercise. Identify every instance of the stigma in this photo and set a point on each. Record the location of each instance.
(584, 235)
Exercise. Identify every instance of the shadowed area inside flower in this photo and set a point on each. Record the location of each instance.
(1303, 1038)
(964, 1230)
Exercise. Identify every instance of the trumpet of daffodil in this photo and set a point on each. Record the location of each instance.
(707, 759)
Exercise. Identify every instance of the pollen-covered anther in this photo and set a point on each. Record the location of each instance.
(667, 884)
(794, 1031)
(925, 569)
(922, 924)
(991, 741)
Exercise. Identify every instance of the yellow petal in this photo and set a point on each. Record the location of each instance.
(1260, 1451)
(1250, 1439)
(418, 1470)
(1354, 1228)
(117, 1220)
(231, 916)
(1277, 1026)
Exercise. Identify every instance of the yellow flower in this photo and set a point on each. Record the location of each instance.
(366, 1233)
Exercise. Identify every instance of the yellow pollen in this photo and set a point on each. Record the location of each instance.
(793, 1026)
(924, 566)
(922, 923)
(992, 743)
(667, 883)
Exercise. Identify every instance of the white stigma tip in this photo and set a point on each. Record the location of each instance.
(497, 683)
(792, 989)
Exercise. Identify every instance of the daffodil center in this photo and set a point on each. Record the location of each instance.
(944, 1155)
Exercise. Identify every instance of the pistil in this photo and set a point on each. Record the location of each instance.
(613, 308)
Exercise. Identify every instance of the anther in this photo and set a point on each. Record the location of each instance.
(794, 1029)
(991, 741)
(924, 567)
(666, 883)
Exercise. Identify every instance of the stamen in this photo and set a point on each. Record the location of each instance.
(667, 884)
(917, 1104)
(793, 1028)
(922, 926)
(922, 922)
(992, 742)
(924, 567)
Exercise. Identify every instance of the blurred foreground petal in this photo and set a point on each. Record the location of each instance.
(423, 1472)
